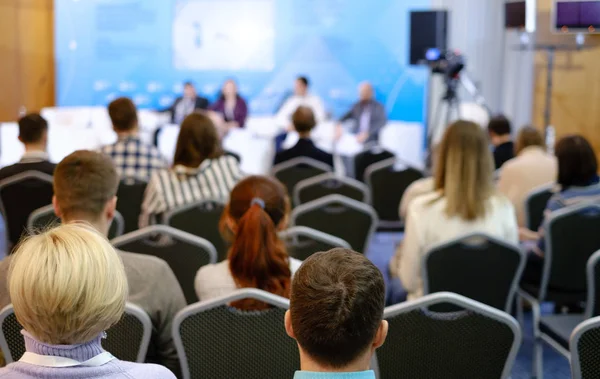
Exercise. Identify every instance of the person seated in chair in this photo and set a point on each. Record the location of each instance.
(33, 133)
(336, 315)
(499, 131)
(368, 116)
(303, 120)
(187, 104)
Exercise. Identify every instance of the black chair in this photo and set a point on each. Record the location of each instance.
(127, 340)
(330, 184)
(348, 219)
(302, 242)
(475, 342)
(184, 252)
(44, 217)
(130, 197)
(20, 195)
(296, 170)
(585, 349)
(571, 238)
(535, 205)
(368, 157)
(212, 337)
(387, 188)
(477, 266)
(201, 219)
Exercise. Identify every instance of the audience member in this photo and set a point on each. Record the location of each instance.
(68, 286)
(231, 106)
(85, 187)
(464, 202)
(200, 171)
(304, 122)
(336, 315)
(187, 104)
(258, 209)
(531, 168)
(33, 133)
(579, 183)
(367, 117)
(499, 131)
(416, 189)
(132, 157)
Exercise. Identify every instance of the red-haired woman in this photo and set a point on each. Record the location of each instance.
(258, 208)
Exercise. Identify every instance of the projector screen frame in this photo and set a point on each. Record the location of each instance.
(530, 15)
(570, 31)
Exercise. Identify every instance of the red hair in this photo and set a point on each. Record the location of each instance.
(257, 258)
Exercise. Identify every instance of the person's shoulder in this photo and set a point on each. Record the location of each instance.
(146, 370)
(146, 263)
(214, 270)
(294, 265)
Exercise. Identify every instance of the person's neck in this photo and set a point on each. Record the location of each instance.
(127, 134)
(101, 225)
(35, 148)
(304, 135)
(308, 364)
(500, 140)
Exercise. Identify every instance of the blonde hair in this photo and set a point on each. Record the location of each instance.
(528, 136)
(464, 170)
(67, 285)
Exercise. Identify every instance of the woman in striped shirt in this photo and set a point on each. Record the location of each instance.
(200, 171)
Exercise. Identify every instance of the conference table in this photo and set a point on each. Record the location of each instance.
(76, 128)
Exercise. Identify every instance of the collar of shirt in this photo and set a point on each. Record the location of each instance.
(532, 150)
(129, 137)
(334, 375)
(34, 156)
(181, 169)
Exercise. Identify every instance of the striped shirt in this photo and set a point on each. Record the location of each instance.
(179, 186)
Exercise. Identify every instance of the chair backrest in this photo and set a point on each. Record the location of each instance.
(127, 340)
(348, 219)
(201, 219)
(535, 205)
(185, 253)
(130, 197)
(477, 341)
(302, 242)
(44, 217)
(476, 266)
(368, 157)
(212, 337)
(330, 184)
(387, 187)
(20, 195)
(571, 238)
(585, 349)
(296, 170)
(592, 308)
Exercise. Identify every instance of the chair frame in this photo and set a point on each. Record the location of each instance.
(332, 176)
(300, 161)
(531, 194)
(514, 288)
(538, 336)
(170, 231)
(469, 304)
(118, 218)
(295, 231)
(168, 215)
(130, 309)
(248, 293)
(579, 331)
(324, 201)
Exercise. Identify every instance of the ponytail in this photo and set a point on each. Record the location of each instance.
(257, 258)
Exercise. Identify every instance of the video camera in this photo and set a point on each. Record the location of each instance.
(450, 62)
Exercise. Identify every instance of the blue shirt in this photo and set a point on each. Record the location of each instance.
(334, 375)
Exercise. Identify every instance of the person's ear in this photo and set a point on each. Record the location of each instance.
(110, 208)
(288, 325)
(381, 334)
(56, 207)
(20, 139)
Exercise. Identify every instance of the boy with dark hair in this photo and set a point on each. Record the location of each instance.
(499, 131)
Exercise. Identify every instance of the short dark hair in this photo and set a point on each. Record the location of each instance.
(303, 119)
(499, 125)
(188, 83)
(32, 128)
(336, 306)
(577, 163)
(304, 80)
(123, 114)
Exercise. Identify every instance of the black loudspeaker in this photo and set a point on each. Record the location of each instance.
(428, 29)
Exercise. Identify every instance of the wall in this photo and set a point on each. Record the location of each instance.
(26, 56)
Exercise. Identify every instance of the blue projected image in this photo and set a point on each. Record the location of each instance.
(145, 49)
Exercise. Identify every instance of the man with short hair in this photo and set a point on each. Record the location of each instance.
(366, 118)
(499, 130)
(85, 187)
(33, 133)
(132, 157)
(187, 104)
(336, 315)
(304, 122)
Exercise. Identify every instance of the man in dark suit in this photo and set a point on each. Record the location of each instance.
(499, 130)
(303, 120)
(366, 118)
(187, 104)
(33, 133)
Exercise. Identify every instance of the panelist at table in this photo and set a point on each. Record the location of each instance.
(187, 104)
(231, 106)
(366, 118)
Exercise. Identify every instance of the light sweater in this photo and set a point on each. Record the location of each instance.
(428, 225)
(114, 369)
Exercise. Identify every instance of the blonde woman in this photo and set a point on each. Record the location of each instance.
(464, 202)
(67, 287)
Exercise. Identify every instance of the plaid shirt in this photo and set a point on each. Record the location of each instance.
(133, 158)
